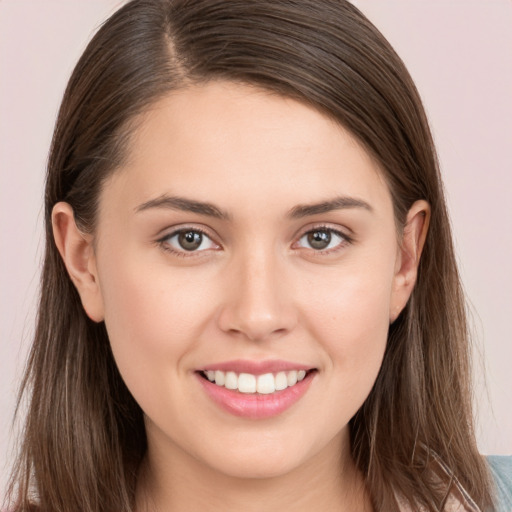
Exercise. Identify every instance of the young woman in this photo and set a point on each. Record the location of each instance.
(249, 298)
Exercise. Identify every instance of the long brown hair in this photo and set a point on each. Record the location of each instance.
(84, 436)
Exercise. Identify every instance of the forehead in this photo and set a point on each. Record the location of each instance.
(224, 141)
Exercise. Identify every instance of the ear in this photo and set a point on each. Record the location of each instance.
(77, 252)
(408, 256)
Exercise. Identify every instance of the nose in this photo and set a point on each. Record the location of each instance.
(258, 301)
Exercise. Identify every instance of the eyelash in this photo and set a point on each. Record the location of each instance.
(163, 242)
(345, 239)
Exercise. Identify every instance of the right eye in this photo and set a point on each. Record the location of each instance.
(187, 240)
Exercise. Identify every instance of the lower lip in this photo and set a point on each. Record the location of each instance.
(254, 405)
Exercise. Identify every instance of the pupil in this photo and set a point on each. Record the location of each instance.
(190, 240)
(319, 239)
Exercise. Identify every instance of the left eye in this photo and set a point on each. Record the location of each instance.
(189, 240)
(321, 239)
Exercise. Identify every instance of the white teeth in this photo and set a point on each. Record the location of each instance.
(219, 378)
(265, 384)
(292, 378)
(281, 381)
(246, 383)
(249, 383)
(231, 380)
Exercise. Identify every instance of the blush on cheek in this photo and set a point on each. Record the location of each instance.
(352, 322)
(152, 315)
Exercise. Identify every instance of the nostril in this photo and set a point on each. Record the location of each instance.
(253, 327)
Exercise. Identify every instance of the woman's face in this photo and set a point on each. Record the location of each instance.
(250, 236)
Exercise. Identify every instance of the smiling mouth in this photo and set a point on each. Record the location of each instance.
(248, 383)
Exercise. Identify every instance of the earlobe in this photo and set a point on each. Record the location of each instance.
(409, 254)
(77, 252)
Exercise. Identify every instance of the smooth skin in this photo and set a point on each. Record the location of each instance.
(247, 282)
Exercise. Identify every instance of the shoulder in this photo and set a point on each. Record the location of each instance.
(501, 468)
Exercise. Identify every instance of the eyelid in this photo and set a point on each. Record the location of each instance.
(175, 230)
(341, 232)
(169, 233)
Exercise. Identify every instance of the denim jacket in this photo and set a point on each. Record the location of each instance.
(501, 467)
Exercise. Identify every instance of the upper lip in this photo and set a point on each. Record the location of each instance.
(255, 367)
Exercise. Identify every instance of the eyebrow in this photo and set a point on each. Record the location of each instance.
(183, 204)
(338, 203)
(297, 212)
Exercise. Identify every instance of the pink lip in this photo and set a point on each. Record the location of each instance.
(255, 406)
(255, 367)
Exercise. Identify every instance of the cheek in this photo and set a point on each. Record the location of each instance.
(153, 316)
(354, 298)
(351, 320)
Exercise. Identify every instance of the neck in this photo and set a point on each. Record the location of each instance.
(327, 482)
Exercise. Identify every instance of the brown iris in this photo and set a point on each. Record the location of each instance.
(190, 240)
(319, 239)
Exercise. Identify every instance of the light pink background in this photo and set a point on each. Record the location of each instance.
(459, 53)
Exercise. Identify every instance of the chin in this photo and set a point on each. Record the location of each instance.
(256, 463)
